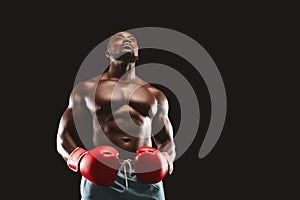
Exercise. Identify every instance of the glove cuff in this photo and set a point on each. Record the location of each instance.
(75, 157)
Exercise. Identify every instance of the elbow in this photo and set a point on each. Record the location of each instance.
(61, 148)
(59, 145)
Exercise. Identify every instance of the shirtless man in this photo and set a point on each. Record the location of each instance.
(126, 113)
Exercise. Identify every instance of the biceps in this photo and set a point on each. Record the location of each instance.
(67, 121)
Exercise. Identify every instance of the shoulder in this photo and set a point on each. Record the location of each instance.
(158, 94)
(82, 90)
(84, 87)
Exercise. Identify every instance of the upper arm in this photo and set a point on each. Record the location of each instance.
(75, 106)
(161, 127)
(67, 134)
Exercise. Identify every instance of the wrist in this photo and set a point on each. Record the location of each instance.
(75, 157)
(169, 161)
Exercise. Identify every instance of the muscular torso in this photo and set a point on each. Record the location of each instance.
(122, 113)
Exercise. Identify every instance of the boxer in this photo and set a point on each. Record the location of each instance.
(131, 132)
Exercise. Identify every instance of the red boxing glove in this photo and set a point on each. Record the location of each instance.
(99, 165)
(150, 165)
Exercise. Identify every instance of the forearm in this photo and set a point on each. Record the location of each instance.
(168, 151)
(66, 140)
(65, 144)
(169, 148)
(164, 140)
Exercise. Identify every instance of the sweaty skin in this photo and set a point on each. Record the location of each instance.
(125, 110)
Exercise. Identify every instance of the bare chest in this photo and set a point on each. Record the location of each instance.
(111, 95)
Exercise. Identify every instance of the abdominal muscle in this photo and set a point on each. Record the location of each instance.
(126, 140)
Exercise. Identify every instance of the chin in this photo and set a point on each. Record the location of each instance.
(123, 51)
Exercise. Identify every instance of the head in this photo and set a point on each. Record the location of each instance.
(120, 45)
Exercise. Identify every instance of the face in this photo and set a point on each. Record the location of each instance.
(120, 43)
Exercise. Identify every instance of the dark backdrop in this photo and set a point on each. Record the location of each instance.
(253, 158)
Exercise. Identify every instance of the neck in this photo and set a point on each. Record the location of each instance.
(122, 71)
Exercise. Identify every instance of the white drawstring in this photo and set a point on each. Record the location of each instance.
(127, 161)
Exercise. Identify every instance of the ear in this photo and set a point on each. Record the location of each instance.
(107, 54)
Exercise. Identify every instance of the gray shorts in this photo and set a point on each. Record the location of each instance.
(125, 186)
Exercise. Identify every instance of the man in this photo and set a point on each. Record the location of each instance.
(128, 117)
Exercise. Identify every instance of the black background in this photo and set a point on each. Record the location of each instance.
(45, 44)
